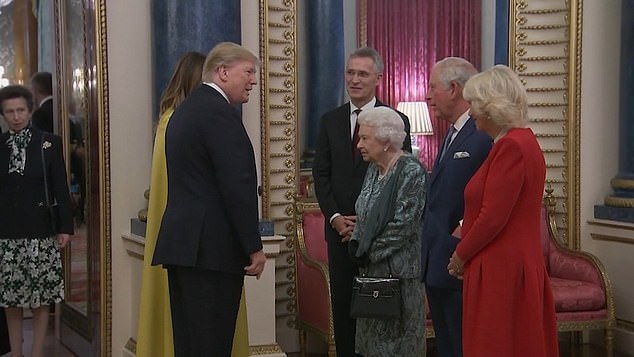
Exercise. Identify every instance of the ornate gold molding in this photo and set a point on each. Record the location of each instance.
(264, 350)
(623, 184)
(545, 51)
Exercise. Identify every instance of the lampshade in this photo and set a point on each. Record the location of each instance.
(420, 122)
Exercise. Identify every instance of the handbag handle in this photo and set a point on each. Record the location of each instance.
(44, 171)
(362, 270)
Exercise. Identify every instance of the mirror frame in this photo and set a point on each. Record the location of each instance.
(98, 182)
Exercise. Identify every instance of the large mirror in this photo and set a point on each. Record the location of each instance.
(65, 38)
(81, 79)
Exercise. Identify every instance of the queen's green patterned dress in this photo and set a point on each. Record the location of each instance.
(396, 249)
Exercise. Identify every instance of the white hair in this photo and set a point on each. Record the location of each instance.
(387, 123)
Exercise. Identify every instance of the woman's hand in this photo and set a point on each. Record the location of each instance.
(456, 266)
(62, 239)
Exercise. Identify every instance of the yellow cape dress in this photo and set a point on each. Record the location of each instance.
(154, 334)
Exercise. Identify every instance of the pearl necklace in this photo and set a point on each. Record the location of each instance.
(390, 164)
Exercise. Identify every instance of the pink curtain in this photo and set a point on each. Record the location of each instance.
(411, 35)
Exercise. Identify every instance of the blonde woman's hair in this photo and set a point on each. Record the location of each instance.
(186, 77)
(225, 54)
(498, 94)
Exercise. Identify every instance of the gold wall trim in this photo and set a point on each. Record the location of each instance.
(265, 349)
(278, 44)
(612, 224)
(625, 325)
(610, 238)
(104, 184)
(280, 143)
(545, 51)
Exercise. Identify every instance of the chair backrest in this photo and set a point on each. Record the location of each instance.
(314, 236)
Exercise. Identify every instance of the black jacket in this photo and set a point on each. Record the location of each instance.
(23, 211)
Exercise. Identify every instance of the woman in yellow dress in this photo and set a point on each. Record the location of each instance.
(154, 336)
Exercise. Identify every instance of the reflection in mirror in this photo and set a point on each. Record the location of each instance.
(76, 106)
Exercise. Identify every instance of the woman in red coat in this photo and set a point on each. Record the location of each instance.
(508, 304)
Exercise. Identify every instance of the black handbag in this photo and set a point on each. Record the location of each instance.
(376, 298)
(52, 208)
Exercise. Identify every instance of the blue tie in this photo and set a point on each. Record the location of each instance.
(447, 141)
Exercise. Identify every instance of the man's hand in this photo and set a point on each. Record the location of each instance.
(344, 225)
(62, 239)
(258, 259)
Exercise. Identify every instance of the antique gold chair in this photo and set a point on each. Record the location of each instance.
(314, 311)
(581, 288)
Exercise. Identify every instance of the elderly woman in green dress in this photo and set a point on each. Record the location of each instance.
(391, 245)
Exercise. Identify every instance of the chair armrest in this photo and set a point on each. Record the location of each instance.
(574, 265)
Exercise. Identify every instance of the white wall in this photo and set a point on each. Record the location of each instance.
(130, 98)
(599, 154)
(487, 25)
(130, 94)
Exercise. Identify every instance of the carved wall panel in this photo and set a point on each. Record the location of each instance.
(545, 50)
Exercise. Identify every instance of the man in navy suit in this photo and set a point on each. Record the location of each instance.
(209, 236)
(338, 172)
(463, 151)
(42, 87)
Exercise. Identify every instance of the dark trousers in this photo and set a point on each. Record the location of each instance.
(4, 333)
(204, 306)
(341, 271)
(445, 306)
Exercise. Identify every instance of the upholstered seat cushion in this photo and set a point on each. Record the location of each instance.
(574, 295)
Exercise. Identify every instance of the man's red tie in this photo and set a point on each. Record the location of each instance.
(355, 136)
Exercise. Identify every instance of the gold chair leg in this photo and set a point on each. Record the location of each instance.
(609, 342)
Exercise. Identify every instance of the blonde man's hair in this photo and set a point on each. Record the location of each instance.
(498, 94)
(225, 54)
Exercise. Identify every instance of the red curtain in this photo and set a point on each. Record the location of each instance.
(411, 35)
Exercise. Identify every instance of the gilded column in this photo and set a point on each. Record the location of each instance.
(24, 41)
(620, 205)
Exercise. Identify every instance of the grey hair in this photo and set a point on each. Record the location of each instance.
(387, 124)
(455, 69)
(369, 52)
(498, 94)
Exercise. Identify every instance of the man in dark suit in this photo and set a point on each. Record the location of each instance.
(338, 172)
(209, 236)
(461, 154)
(42, 87)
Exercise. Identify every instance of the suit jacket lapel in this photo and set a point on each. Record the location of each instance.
(463, 134)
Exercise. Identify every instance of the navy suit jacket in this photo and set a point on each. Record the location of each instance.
(211, 218)
(445, 202)
(338, 175)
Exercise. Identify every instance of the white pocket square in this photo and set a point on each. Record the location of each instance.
(461, 155)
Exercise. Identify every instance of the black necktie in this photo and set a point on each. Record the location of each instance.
(355, 135)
